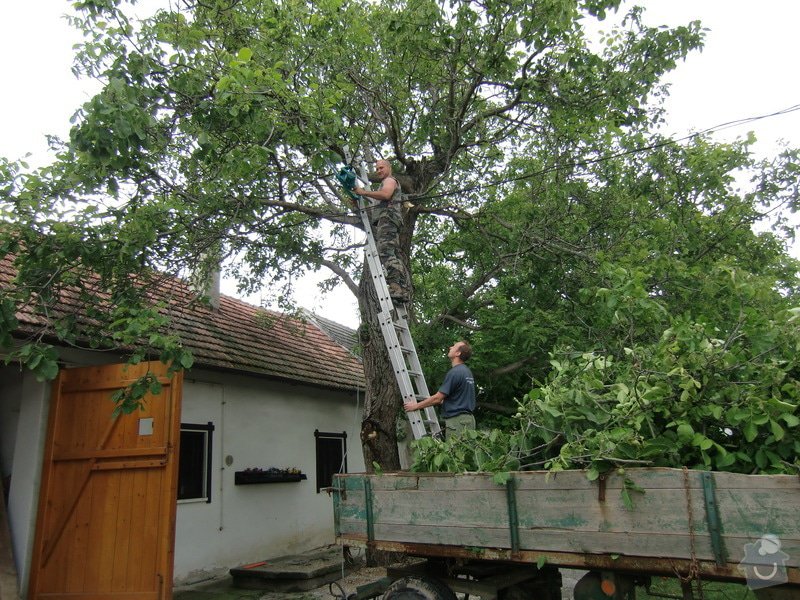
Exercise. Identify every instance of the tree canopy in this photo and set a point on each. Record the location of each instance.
(542, 208)
(657, 327)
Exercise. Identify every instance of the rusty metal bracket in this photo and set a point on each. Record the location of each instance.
(601, 488)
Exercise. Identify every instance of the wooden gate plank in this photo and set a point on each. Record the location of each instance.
(72, 501)
(119, 579)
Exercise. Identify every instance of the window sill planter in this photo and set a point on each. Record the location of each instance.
(253, 477)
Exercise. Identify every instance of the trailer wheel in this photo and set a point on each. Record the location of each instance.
(418, 588)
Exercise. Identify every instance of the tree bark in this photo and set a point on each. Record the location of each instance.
(383, 401)
(382, 405)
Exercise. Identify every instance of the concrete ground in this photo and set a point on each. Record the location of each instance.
(309, 572)
(223, 590)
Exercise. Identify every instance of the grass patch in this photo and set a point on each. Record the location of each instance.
(712, 590)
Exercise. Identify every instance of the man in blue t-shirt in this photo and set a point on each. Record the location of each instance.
(456, 394)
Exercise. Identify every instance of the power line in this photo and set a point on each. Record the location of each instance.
(647, 148)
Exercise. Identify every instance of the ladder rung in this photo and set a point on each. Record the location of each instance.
(405, 368)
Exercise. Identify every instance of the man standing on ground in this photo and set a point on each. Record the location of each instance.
(387, 220)
(456, 394)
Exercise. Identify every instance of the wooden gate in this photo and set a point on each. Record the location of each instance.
(106, 520)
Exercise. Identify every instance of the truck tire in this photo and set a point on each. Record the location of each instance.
(418, 588)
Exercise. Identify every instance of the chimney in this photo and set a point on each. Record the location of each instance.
(205, 280)
(212, 288)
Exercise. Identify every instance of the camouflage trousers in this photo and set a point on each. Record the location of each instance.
(459, 423)
(387, 221)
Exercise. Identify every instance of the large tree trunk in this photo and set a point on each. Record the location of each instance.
(383, 402)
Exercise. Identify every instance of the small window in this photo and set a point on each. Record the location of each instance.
(331, 456)
(194, 468)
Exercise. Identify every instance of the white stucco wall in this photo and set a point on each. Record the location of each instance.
(24, 402)
(259, 423)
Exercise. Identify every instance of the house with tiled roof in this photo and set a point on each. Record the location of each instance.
(224, 465)
(341, 334)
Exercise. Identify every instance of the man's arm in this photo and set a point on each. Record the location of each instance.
(437, 398)
(384, 194)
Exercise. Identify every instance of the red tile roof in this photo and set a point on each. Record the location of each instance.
(236, 337)
(341, 334)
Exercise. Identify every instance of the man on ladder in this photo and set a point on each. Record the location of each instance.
(383, 259)
(457, 392)
(387, 221)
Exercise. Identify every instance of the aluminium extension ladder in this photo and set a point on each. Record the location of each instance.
(395, 327)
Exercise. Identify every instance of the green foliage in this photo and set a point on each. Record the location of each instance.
(708, 393)
(602, 257)
(39, 358)
(534, 209)
(670, 587)
(133, 396)
(628, 486)
(697, 396)
(654, 326)
(470, 451)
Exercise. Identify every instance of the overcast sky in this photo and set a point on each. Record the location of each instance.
(747, 69)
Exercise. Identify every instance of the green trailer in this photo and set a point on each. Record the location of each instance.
(684, 523)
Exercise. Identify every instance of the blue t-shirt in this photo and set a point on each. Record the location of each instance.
(459, 390)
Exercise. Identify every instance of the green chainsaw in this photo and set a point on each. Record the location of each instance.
(347, 177)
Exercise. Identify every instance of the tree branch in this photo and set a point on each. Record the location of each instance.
(498, 408)
(342, 273)
(449, 317)
(311, 211)
(511, 367)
